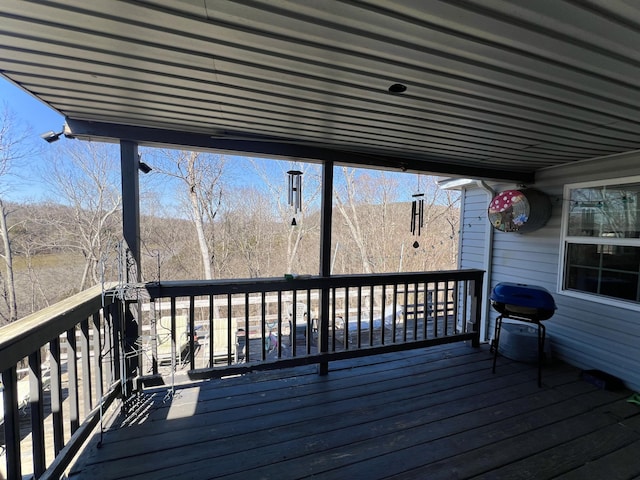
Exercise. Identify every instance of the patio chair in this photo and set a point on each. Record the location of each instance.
(240, 345)
(163, 338)
(298, 325)
(220, 339)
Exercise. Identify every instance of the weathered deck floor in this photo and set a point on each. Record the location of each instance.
(425, 414)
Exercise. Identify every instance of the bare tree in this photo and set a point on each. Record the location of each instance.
(347, 204)
(201, 176)
(82, 176)
(250, 230)
(13, 149)
(306, 222)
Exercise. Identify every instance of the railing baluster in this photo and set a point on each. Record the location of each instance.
(72, 381)
(279, 320)
(153, 336)
(332, 325)
(406, 305)
(476, 309)
(309, 328)
(292, 322)
(456, 307)
(436, 308)
(116, 341)
(192, 333)
(447, 291)
(246, 328)
(85, 365)
(347, 303)
(425, 310)
(263, 326)
(56, 395)
(36, 407)
(359, 317)
(371, 317)
(174, 343)
(383, 314)
(247, 336)
(211, 330)
(465, 293)
(97, 356)
(11, 423)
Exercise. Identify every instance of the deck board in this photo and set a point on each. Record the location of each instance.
(430, 413)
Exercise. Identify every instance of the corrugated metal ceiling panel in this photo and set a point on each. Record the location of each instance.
(503, 87)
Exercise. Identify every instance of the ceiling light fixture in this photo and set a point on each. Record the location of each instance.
(397, 88)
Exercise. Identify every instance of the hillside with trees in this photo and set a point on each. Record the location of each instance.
(204, 216)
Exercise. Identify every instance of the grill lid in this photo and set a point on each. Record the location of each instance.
(519, 300)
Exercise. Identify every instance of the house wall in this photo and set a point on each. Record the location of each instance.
(585, 333)
(475, 233)
(474, 228)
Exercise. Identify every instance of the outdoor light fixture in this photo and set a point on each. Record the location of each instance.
(144, 168)
(295, 192)
(51, 136)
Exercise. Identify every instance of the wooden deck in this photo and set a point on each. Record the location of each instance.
(426, 414)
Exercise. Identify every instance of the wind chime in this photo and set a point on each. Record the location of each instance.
(295, 193)
(417, 216)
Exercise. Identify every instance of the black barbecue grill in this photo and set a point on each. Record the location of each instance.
(526, 303)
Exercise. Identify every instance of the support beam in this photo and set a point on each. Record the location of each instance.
(275, 147)
(129, 161)
(325, 256)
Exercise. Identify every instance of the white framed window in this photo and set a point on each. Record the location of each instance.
(601, 241)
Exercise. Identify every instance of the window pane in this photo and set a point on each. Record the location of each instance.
(605, 211)
(584, 255)
(609, 270)
(617, 257)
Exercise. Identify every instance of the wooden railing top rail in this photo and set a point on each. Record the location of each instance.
(18, 339)
(255, 285)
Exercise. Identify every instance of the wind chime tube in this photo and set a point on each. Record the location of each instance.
(299, 194)
(421, 216)
(295, 190)
(413, 217)
(417, 214)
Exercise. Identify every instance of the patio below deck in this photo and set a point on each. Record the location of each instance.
(429, 413)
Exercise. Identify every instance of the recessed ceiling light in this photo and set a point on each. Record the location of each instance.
(398, 88)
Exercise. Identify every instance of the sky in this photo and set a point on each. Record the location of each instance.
(35, 117)
(31, 111)
(40, 118)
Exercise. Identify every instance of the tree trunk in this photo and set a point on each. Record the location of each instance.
(8, 259)
(195, 187)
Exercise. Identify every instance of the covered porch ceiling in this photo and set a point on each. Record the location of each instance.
(494, 89)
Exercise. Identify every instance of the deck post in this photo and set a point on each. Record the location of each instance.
(476, 310)
(129, 164)
(325, 259)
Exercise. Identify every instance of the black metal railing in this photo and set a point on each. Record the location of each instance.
(60, 369)
(214, 328)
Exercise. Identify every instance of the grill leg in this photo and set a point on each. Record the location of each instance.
(542, 332)
(496, 341)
